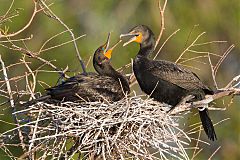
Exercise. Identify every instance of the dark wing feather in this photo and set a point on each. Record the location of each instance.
(91, 87)
(108, 87)
(67, 88)
(176, 74)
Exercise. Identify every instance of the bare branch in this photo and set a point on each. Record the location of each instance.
(212, 71)
(192, 44)
(209, 98)
(162, 27)
(165, 43)
(7, 83)
(222, 59)
(234, 82)
(35, 11)
(52, 15)
(214, 153)
(12, 102)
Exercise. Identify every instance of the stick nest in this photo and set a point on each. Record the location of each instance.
(130, 128)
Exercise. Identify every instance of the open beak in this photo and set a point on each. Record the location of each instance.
(133, 39)
(106, 45)
(108, 53)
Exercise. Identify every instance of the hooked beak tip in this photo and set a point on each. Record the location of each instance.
(124, 35)
(121, 35)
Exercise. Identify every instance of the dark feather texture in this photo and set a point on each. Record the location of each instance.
(92, 87)
(106, 84)
(166, 81)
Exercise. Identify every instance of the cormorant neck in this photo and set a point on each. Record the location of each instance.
(147, 47)
(111, 72)
(105, 69)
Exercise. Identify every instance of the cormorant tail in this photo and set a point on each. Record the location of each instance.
(207, 124)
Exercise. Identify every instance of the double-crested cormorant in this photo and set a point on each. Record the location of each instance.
(108, 84)
(166, 81)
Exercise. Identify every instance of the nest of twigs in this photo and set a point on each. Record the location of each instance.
(131, 128)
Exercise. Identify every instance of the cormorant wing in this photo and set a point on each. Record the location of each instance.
(176, 74)
(106, 83)
(71, 82)
(67, 87)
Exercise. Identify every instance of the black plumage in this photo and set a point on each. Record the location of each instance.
(166, 81)
(106, 84)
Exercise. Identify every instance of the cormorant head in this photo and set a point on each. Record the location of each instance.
(103, 55)
(140, 34)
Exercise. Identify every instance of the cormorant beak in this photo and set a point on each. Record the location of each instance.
(106, 45)
(108, 54)
(137, 37)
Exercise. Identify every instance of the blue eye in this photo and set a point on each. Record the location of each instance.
(103, 48)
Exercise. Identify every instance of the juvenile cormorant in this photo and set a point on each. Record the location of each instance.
(166, 81)
(108, 84)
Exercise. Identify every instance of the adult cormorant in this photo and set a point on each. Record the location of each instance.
(166, 81)
(108, 84)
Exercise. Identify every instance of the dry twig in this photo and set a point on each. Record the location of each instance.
(162, 27)
(51, 14)
(35, 11)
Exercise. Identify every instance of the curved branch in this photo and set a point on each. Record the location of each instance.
(54, 16)
(35, 11)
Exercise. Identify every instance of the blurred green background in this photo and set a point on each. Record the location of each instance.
(95, 18)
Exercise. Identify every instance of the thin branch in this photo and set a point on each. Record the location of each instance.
(235, 80)
(212, 71)
(12, 104)
(194, 59)
(162, 27)
(45, 43)
(209, 98)
(56, 46)
(35, 130)
(8, 85)
(165, 43)
(222, 59)
(10, 7)
(203, 52)
(214, 153)
(33, 55)
(189, 47)
(190, 34)
(54, 16)
(211, 42)
(17, 40)
(35, 11)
